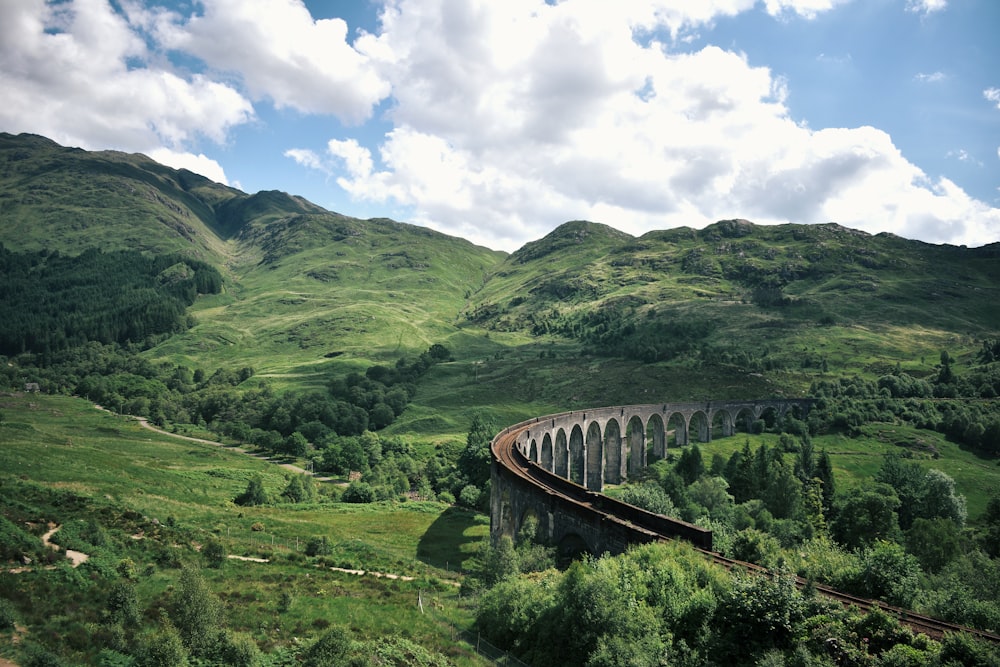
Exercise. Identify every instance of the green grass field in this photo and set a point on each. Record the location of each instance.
(115, 468)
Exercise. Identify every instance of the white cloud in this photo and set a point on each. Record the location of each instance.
(993, 95)
(580, 120)
(926, 7)
(80, 74)
(306, 158)
(281, 53)
(199, 164)
(933, 77)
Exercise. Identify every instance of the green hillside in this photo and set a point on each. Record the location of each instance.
(757, 297)
(303, 285)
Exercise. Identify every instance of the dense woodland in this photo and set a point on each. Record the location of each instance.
(52, 302)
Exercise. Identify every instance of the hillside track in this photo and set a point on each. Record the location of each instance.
(508, 455)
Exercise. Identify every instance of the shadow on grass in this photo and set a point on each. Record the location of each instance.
(451, 541)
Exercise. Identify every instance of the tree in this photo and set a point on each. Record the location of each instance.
(866, 514)
(359, 492)
(318, 546)
(214, 553)
(238, 649)
(296, 445)
(690, 466)
(254, 494)
(163, 648)
(940, 500)
(197, 613)
(650, 496)
(934, 542)
(469, 495)
(888, 573)
(712, 493)
(380, 416)
(908, 480)
(500, 561)
(991, 521)
(824, 473)
(299, 490)
(474, 461)
(123, 604)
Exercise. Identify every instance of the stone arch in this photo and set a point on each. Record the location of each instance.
(744, 419)
(546, 460)
(614, 469)
(595, 457)
(723, 424)
(679, 425)
(656, 439)
(542, 528)
(570, 547)
(533, 451)
(561, 456)
(635, 438)
(770, 416)
(700, 425)
(577, 454)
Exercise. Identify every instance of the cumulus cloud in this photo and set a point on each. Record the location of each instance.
(199, 164)
(81, 74)
(281, 53)
(584, 121)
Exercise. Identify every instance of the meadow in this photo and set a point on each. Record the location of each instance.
(159, 499)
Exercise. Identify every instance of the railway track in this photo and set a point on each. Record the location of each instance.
(508, 455)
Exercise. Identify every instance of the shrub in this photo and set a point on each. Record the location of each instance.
(469, 496)
(214, 553)
(329, 650)
(8, 615)
(318, 546)
(359, 492)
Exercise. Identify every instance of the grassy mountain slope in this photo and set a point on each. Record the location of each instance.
(755, 297)
(65, 199)
(304, 285)
(585, 315)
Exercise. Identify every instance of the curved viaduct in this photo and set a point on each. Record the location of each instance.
(608, 444)
(554, 467)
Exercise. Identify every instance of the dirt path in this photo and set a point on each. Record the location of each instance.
(287, 466)
(78, 558)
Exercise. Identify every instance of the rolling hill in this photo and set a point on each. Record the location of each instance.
(585, 314)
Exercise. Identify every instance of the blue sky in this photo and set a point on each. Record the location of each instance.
(498, 121)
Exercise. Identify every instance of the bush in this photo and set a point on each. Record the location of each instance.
(318, 546)
(359, 492)
(214, 553)
(330, 650)
(238, 649)
(8, 615)
(469, 496)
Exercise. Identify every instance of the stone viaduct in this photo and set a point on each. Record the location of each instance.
(553, 468)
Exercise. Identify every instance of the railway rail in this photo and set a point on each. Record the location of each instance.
(660, 528)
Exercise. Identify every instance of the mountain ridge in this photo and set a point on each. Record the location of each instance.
(307, 289)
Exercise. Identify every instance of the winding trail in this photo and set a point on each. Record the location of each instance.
(287, 466)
